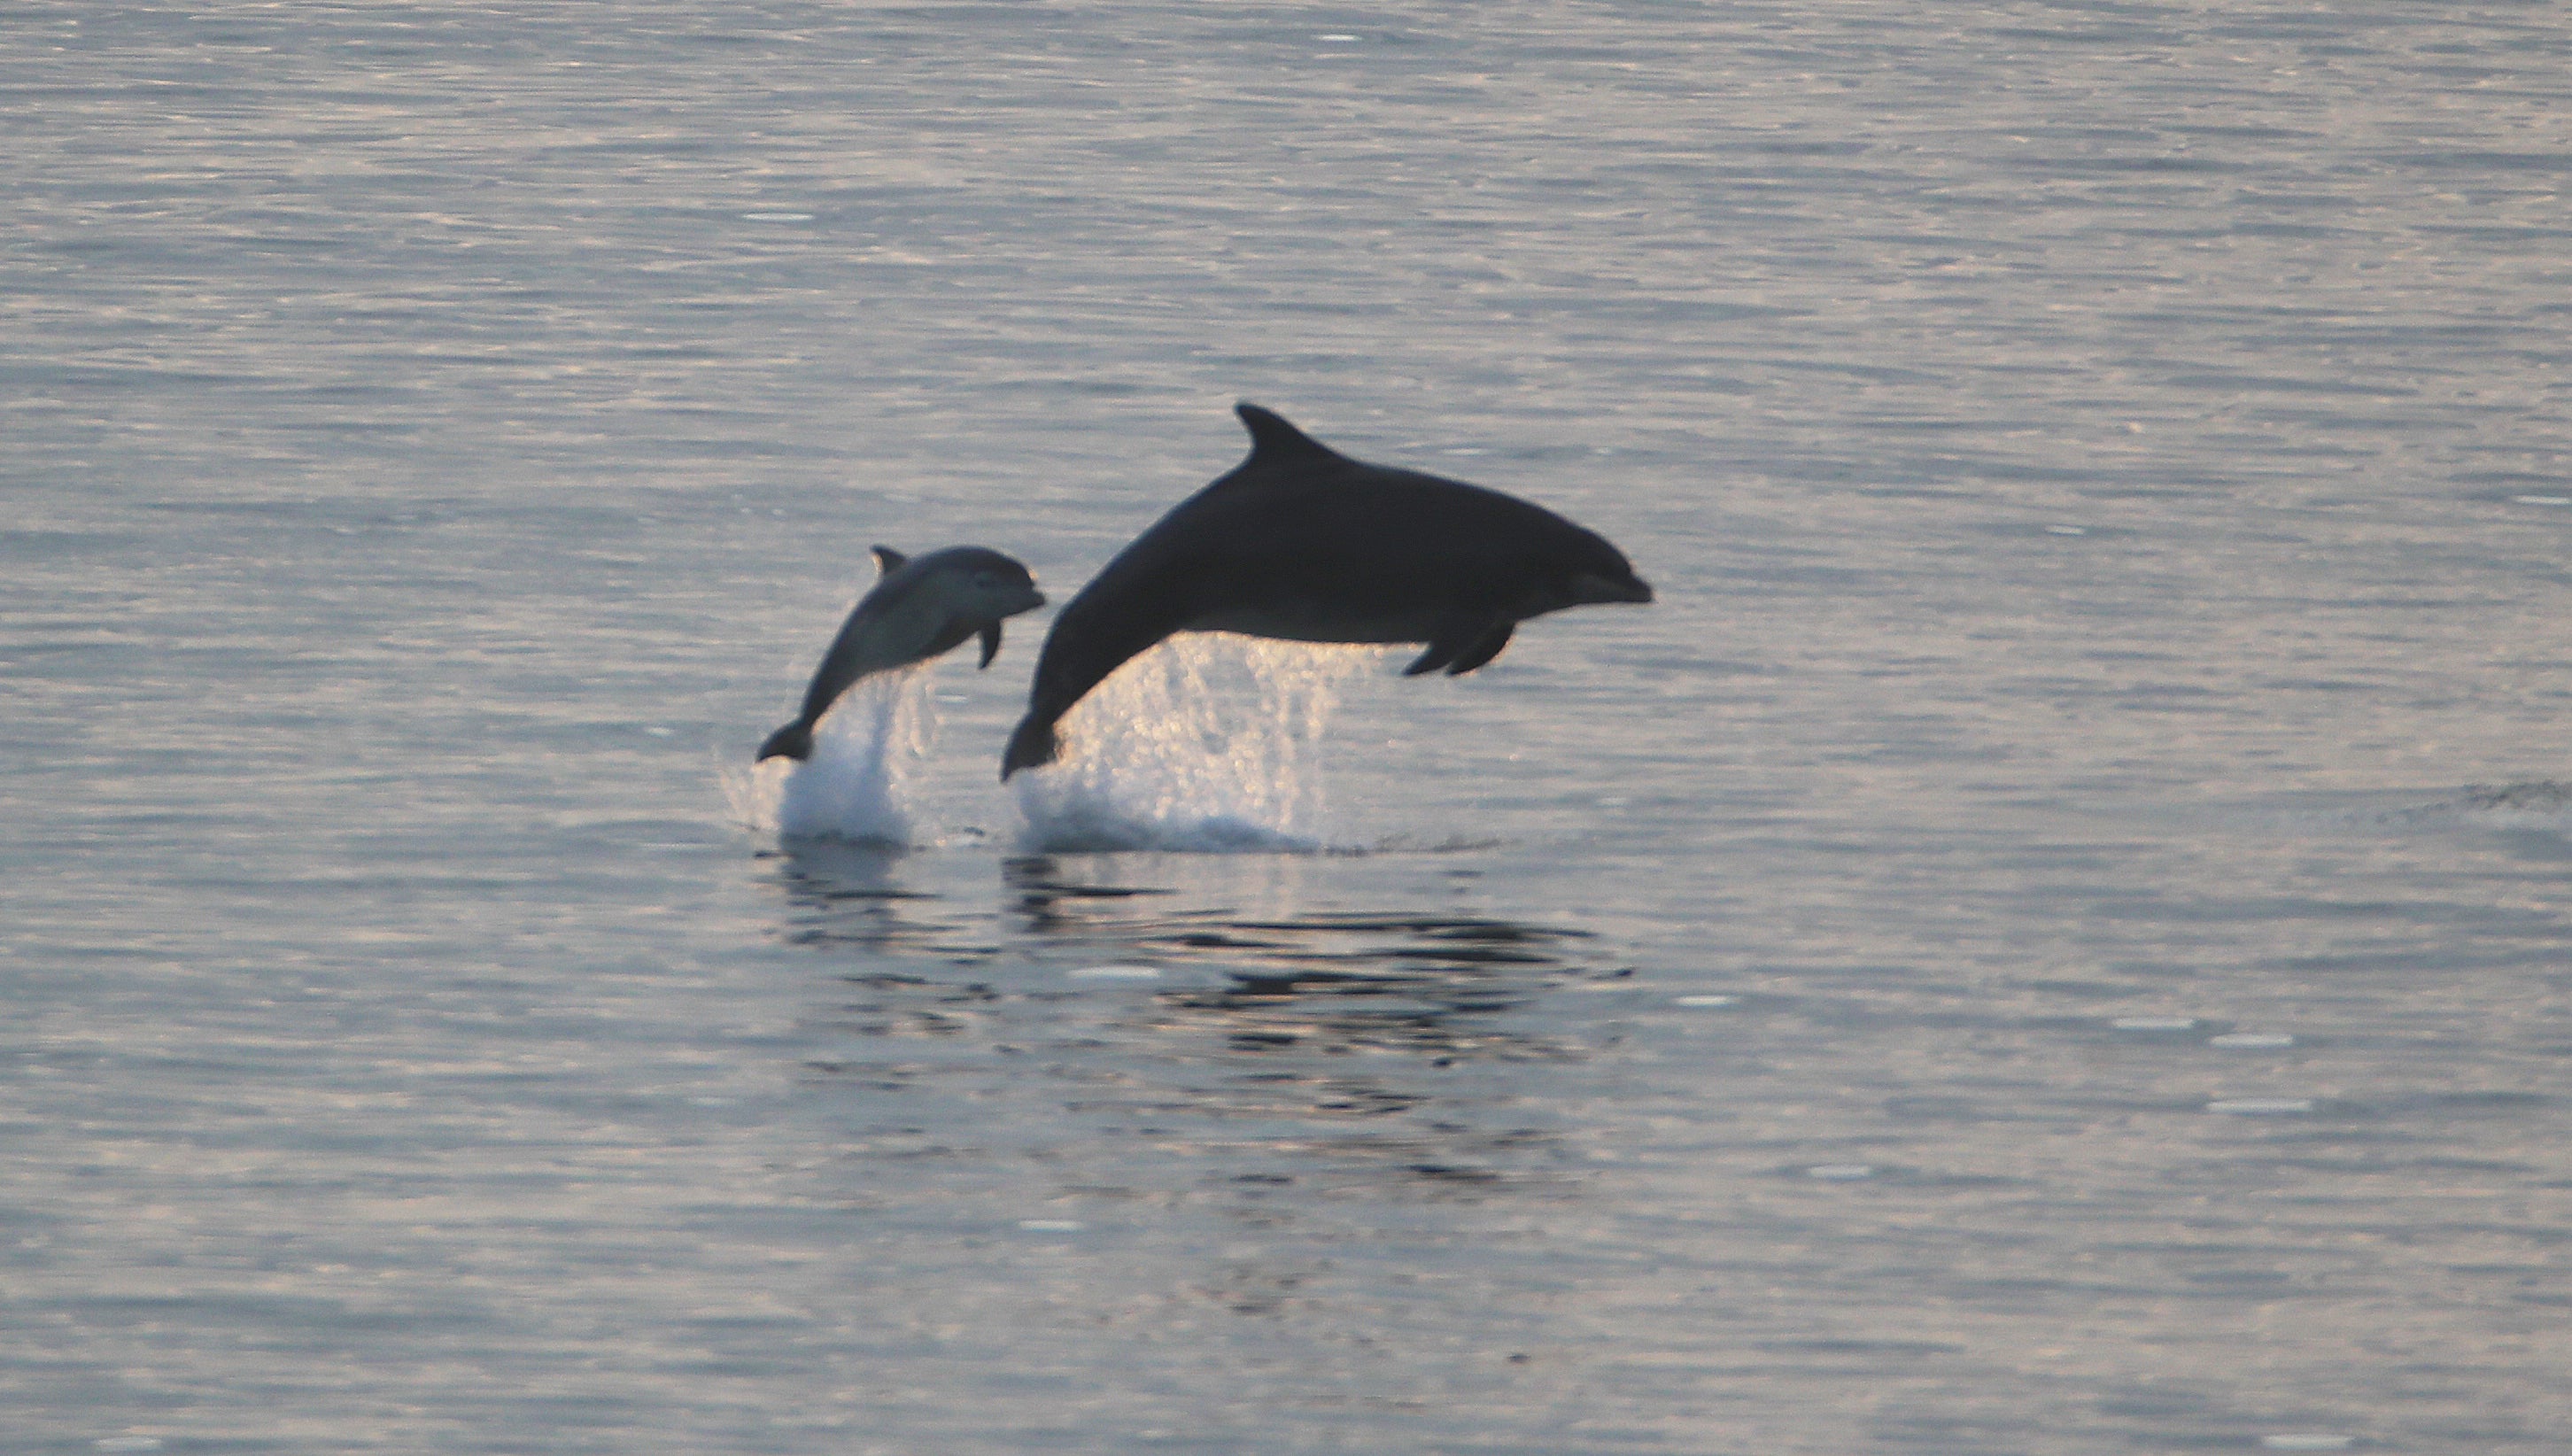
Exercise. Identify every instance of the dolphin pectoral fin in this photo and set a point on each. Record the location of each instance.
(1458, 640)
(990, 642)
(887, 560)
(1484, 649)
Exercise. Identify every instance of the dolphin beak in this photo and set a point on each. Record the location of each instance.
(1589, 587)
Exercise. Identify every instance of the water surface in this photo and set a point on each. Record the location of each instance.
(2048, 937)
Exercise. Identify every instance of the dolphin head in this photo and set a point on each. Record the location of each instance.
(1589, 573)
(985, 585)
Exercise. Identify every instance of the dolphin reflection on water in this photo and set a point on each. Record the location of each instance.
(1196, 996)
(1416, 977)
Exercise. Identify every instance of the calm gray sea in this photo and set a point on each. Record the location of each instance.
(2051, 935)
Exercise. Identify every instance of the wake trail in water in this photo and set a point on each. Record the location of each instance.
(2523, 805)
(865, 753)
(2542, 805)
(1209, 742)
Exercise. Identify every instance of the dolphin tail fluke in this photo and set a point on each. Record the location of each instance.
(1031, 746)
(794, 741)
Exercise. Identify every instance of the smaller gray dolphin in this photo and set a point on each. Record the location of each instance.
(919, 607)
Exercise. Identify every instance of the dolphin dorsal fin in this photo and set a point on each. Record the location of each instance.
(887, 560)
(1272, 438)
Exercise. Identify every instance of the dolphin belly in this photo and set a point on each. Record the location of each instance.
(1319, 621)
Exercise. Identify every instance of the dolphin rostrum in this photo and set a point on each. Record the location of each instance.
(919, 607)
(1302, 542)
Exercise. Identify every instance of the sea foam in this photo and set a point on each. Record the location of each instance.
(866, 753)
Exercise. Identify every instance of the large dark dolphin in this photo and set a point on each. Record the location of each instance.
(919, 607)
(1302, 542)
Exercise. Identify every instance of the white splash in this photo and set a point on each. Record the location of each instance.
(1209, 742)
(866, 749)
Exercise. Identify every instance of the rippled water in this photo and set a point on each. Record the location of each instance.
(2048, 937)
